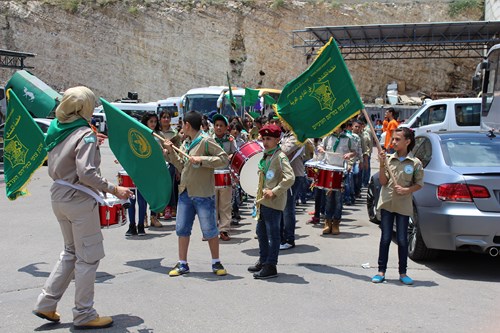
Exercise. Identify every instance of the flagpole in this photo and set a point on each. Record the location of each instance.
(175, 148)
(379, 147)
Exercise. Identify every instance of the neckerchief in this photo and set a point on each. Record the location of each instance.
(336, 144)
(263, 166)
(58, 131)
(221, 141)
(194, 142)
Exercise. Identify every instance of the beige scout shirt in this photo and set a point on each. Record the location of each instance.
(346, 145)
(279, 179)
(408, 172)
(199, 181)
(366, 142)
(227, 143)
(76, 160)
(290, 146)
(172, 135)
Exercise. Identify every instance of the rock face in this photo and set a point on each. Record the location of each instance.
(163, 48)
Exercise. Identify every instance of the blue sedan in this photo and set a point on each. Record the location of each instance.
(458, 208)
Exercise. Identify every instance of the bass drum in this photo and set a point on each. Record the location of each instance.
(245, 166)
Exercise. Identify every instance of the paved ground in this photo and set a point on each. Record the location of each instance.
(322, 285)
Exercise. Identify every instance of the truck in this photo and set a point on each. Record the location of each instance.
(449, 114)
(490, 109)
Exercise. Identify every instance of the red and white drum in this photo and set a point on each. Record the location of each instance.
(222, 178)
(311, 170)
(245, 165)
(125, 180)
(114, 215)
(329, 177)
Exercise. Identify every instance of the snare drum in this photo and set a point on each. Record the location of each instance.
(311, 170)
(125, 180)
(329, 177)
(245, 166)
(222, 178)
(113, 215)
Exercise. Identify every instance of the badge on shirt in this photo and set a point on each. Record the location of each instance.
(270, 175)
(408, 169)
(90, 139)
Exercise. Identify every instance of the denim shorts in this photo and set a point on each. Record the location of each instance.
(188, 207)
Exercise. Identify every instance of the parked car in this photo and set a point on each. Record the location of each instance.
(43, 123)
(458, 208)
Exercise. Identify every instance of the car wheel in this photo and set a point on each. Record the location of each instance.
(371, 205)
(417, 250)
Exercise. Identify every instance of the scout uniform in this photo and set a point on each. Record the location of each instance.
(275, 173)
(223, 195)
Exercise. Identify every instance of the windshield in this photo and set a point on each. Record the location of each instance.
(172, 109)
(414, 115)
(472, 152)
(205, 104)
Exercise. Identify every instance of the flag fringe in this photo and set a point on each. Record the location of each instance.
(23, 189)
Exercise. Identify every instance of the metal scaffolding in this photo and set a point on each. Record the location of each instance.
(12, 59)
(403, 41)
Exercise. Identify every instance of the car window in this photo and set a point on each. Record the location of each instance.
(433, 115)
(467, 114)
(423, 150)
(472, 152)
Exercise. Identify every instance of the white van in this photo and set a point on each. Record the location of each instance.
(136, 110)
(173, 106)
(451, 114)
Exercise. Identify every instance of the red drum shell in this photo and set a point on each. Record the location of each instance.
(245, 165)
(245, 152)
(329, 177)
(112, 216)
(125, 180)
(222, 178)
(311, 170)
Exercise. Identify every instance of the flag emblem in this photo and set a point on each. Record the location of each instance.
(139, 144)
(15, 152)
(323, 93)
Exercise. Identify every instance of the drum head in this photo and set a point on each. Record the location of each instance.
(249, 177)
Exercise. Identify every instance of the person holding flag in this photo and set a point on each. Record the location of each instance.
(196, 162)
(74, 159)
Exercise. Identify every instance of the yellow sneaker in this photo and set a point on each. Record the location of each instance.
(179, 269)
(99, 322)
(218, 269)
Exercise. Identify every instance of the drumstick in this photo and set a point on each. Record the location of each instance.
(177, 149)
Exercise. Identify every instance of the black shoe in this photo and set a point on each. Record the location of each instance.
(140, 230)
(235, 222)
(237, 217)
(255, 268)
(268, 271)
(132, 230)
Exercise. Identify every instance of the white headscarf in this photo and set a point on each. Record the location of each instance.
(77, 102)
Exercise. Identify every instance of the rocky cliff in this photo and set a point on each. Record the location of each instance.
(163, 48)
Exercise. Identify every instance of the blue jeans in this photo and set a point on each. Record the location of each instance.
(175, 187)
(356, 180)
(319, 202)
(287, 225)
(268, 233)
(188, 207)
(386, 225)
(366, 173)
(334, 205)
(348, 194)
(141, 202)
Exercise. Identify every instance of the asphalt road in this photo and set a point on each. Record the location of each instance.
(322, 286)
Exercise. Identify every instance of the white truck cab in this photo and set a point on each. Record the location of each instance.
(451, 114)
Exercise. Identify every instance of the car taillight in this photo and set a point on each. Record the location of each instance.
(461, 192)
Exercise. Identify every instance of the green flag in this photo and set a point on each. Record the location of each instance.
(231, 97)
(321, 98)
(269, 100)
(251, 96)
(24, 147)
(140, 155)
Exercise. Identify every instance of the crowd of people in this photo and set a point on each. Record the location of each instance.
(198, 149)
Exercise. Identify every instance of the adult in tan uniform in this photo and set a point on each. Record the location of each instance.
(74, 159)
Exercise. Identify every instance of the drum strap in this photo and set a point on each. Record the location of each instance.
(297, 154)
(84, 189)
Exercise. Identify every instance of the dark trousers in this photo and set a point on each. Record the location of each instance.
(386, 225)
(268, 233)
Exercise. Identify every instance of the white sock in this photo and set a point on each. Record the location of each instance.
(183, 262)
(214, 261)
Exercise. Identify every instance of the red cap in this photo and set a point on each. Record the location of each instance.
(271, 130)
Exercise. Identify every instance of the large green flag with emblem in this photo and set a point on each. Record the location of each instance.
(24, 147)
(321, 98)
(140, 155)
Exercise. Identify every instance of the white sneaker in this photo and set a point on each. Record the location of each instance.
(286, 246)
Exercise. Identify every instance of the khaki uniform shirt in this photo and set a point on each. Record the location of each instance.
(228, 144)
(346, 145)
(366, 142)
(199, 180)
(172, 135)
(408, 172)
(76, 160)
(290, 146)
(279, 179)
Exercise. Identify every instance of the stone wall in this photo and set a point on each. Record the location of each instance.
(162, 48)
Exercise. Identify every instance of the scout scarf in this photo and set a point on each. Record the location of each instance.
(194, 143)
(221, 141)
(263, 166)
(58, 131)
(336, 144)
